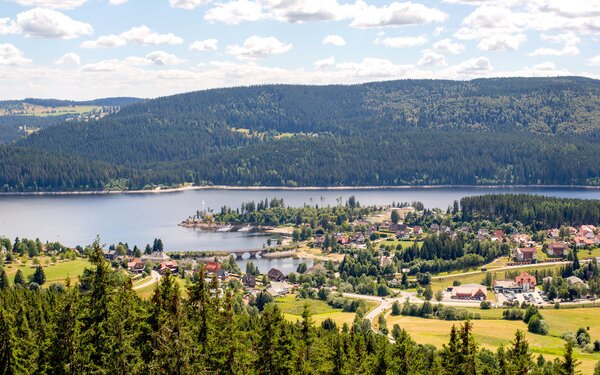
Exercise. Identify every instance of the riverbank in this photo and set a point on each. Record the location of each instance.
(160, 190)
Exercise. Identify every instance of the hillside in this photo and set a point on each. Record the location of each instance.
(485, 131)
(19, 118)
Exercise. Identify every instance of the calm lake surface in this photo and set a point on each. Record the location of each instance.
(139, 218)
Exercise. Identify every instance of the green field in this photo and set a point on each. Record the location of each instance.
(492, 331)
(293, 307)
(147, 291)
(55, 273)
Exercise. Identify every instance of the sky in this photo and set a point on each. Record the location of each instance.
(85, 49)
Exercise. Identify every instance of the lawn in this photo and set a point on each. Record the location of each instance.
(55, 273)
(146, 292)
(293, 307)
(491, 334)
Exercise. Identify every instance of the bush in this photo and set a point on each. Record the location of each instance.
(512, 314)
(536, 325)
(396, 310)
(485, 305)
(588, 348)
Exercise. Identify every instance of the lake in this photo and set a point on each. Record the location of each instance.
(139, 218)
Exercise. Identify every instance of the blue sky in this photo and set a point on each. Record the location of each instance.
(82, 49)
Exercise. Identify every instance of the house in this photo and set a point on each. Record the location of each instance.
(278, 288)
(526, 281)
(521, 239)
(417, 230)
(582, 241)
(342, 240)
(502, 286)
(483, 232)
(110, 254)
(156, 257)
(574, 280)
(136, 265)
(469, 292)
(316, 268)
(557, 249)
(554, 233)
(212, 267)
(525, 254)
(498, 233)
(170, 265)
(384, 261)
(222, 274)
(249, 281)
(275, 275)
(403, 234)
(434, 228)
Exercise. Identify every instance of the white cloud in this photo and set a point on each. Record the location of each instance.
(140, 35)
(401, 41)
(565, 51)
(52, 4)
(446, 45)
(438, 30)
(335, 40)
(236, 11)
(204, 45)
(360, 13)
(117, 2)
(47, 23)
(69, 59)
(163, 58)
(374, 68)
(397, 14)
(6, 26)
(11, 55)
(569, 41)
(430, 58)
(502, 42)
(188, 4)
(593, 61)
(296, 11)
(325, 63)
(473, 67)
(256, 47)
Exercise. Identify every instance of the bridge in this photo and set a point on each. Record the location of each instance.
(240, 253)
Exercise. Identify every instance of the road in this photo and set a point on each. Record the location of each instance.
(154, 277)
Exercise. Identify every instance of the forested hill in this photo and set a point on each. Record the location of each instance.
(485, 131)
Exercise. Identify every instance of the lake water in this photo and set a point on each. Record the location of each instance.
(139, 218)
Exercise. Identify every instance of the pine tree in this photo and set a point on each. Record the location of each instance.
(7, 360)
(3, 279)
(39, 276)
(519, 355)
(19, 279)
(569, 363)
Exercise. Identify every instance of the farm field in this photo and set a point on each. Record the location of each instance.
(492, 331)
(55, 273)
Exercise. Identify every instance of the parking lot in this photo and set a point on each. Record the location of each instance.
(534, 297)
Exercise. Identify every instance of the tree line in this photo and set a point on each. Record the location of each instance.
(100, 325)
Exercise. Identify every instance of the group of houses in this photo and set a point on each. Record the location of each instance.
(522, 283)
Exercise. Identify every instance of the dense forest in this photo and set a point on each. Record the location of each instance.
(410, 132)
(100, 325)
(539, 212)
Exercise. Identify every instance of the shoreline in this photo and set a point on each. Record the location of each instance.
(289, 188)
